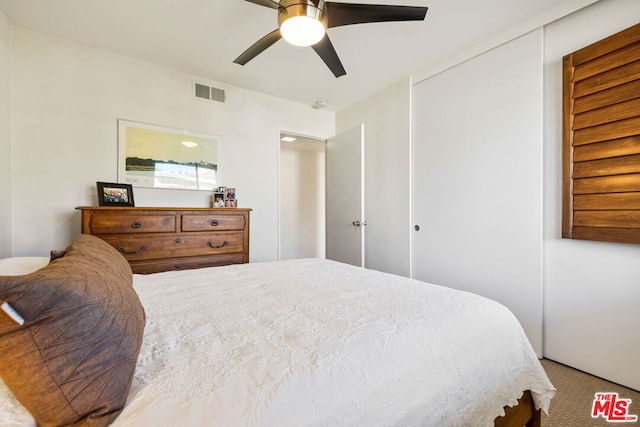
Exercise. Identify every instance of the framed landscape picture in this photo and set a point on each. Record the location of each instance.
(160, 157)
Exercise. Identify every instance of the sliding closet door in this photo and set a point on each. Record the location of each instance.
(477, 179)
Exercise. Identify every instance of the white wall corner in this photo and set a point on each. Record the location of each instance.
(566, 8)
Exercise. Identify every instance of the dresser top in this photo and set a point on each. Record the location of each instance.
(148, 208)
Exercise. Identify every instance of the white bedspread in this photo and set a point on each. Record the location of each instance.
(318, 343)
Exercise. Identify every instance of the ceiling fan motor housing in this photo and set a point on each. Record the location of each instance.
(292, 8)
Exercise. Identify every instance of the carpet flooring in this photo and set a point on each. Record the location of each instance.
(572, 405)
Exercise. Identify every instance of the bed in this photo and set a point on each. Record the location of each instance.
(311, 342)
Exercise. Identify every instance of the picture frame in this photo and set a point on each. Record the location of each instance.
(162, 157)
(229, 193)
(217, 200)
(114, 194)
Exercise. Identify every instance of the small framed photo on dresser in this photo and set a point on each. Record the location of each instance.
(114, 194)
(217, 200)
(229, 193)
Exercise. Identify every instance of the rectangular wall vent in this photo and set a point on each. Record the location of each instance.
(209, 92)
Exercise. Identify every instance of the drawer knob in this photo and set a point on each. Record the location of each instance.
(225, 243)
(134, 252)
(178, 240)
(215, 223)
(136, 225)
(178, 266)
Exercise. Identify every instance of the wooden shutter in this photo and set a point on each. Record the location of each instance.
(601, 140)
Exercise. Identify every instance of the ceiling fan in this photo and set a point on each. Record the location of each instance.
(304, 23)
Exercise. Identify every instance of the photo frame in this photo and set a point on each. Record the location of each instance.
(162, 157)
(115, 194)
(229, 193)
(217, 200)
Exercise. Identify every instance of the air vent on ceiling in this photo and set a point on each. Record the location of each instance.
(209, 92)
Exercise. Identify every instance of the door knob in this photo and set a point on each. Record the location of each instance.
(356, 223)
(417, 227)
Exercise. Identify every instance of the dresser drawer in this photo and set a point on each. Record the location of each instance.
(151, 266)
(126, 224)
(183, 245)
(212, 222)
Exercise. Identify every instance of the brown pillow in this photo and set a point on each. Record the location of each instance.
(73, 360)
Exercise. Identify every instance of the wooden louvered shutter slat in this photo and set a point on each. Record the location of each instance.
(607, 234)
(607, 149)
(614, 166)
(627, 201)
(610, 96)
(615, 59)
(607, 184)
(607, 131)
(610, 44)
(611, 113)
(618, 219)
(612, 78)
(601, 140)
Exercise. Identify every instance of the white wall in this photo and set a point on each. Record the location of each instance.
(5, 137)
(386, 117)
(66, 101)
(592, 289)
(302, 199)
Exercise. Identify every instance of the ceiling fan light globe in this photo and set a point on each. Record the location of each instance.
(302, 30)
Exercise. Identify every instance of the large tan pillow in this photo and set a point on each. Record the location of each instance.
(73, 360)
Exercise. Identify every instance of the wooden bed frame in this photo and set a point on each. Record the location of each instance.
(522, 414)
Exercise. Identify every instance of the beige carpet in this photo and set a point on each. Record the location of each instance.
(571, 407)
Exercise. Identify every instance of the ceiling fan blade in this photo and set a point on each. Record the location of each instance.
(324, 48)
(266, 3)
(258, 47)
(350, 13)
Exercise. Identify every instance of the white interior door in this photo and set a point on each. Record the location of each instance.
(345, 197)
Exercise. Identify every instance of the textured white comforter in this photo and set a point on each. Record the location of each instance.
(318, 343)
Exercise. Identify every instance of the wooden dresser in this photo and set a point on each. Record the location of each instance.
(163, 239)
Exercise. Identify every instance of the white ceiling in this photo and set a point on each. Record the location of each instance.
(203, 37)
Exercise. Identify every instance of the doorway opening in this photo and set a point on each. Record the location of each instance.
(302, 197)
